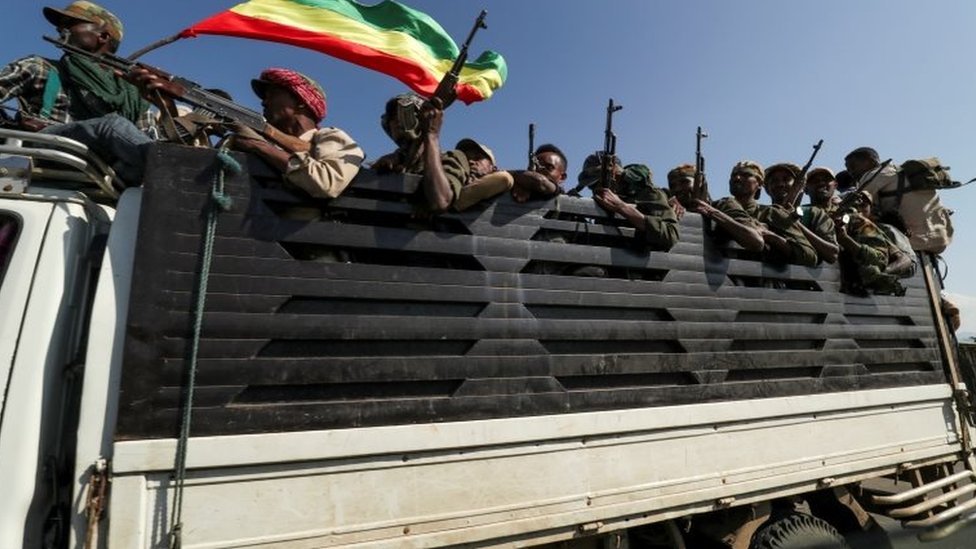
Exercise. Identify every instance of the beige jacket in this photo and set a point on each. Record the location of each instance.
(923, 213)
(329, 166)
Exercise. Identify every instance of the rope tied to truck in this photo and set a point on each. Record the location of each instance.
(219, 202)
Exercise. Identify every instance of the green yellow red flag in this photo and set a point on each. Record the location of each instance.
(388, 37)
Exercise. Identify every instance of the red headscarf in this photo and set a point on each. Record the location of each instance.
(304, 87)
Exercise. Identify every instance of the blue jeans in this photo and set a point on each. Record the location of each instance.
(115, 139)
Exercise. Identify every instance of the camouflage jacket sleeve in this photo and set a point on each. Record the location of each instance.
(731, 207)
(660, 221)
(872, 245)
(820, 223)
(784, 223)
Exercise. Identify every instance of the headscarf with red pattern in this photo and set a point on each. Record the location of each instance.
(302, 86)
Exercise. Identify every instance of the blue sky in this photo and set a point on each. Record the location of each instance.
(765, 78)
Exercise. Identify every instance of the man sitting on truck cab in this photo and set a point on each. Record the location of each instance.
(75, 97)
(295, 104)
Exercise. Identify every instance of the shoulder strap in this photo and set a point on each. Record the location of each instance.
(902, 188)
(52, 87)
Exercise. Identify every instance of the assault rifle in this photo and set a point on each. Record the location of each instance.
(849, 200)
(224, 110)
(533, 164)
(699, 188)
(607, 156)
(609, 146)
(447, 88)
(796, 191)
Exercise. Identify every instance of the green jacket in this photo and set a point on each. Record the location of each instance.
(661, 224)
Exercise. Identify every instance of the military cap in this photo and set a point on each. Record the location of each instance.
(793, 169)
(306, 89)
(89, 12)
(864, 152)
(819, 172)
(749, 167)
(468, 144)
(682, 171)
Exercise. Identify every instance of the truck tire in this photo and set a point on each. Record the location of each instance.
(797, 531)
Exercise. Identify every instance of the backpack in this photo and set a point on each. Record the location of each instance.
(916, 201)
(924, 174)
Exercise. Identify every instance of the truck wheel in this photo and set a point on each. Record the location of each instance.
(797, 531)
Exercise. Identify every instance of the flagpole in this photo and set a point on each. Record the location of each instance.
(155, 45)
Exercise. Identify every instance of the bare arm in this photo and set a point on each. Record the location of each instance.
(437, 188)
(534, 182)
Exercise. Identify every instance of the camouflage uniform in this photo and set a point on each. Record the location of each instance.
(661, 224)
(870, 259)
(871, 256)
(819, 222)
(779, 220)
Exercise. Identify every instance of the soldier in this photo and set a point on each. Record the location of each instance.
(632, 194)
(415, 126)
(776, 226)
(918, 213)
(295, 104)
(681, 188)
(77, 98)
(815, 222)
(867, 250)
(546, 177)
(452, 179)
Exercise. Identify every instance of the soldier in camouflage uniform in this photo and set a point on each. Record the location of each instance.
(866, 250)
(815, 222)
(782, 238)
(632, 194)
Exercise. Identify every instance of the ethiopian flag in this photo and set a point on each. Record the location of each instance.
(388, 37)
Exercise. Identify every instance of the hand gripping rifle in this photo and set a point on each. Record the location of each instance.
(796, 191)
(223, 110)
(848, 201)
(700, 186)
(607, 156)
(447, 88)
